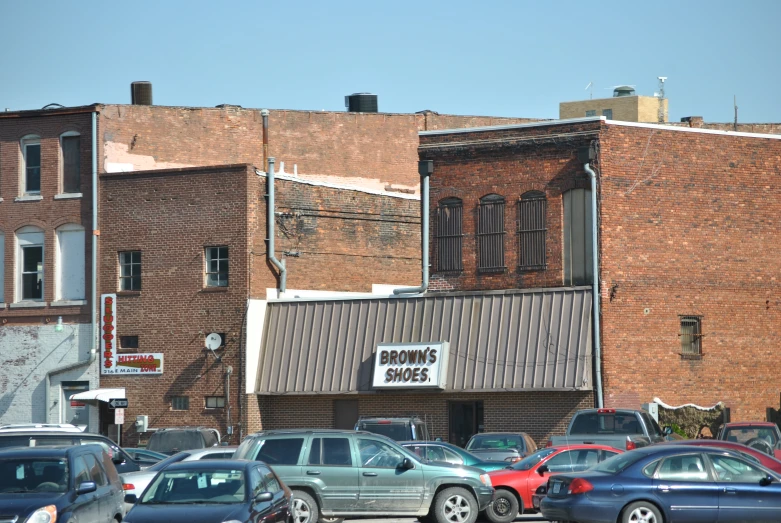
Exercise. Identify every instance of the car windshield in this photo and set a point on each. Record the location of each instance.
(747, 434)
(198, 486)
(175, 440)
(495, 442)
(398, 431)
(160, 465)
(18, 475)
(618, 462)
(530, 461)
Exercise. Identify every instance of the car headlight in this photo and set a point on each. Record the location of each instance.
(486, 479)
(47, 514)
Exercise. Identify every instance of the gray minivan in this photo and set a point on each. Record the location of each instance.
(337, 473)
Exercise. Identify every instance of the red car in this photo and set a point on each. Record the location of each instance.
(751, 453)
(761, 435)
(516, 484)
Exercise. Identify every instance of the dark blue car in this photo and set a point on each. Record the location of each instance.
(668, 483)
(209, 491)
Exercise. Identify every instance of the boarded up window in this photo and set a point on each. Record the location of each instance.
(71, 164)
(532, 231)
(449, 235)
(691, 336)
(578, 262)
(490, 234)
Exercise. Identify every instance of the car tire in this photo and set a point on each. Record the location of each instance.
(305, 509)
(504, 507)
(454, 505)
(641, 511)
(329, 520)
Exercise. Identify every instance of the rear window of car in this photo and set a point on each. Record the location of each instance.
(399, 431)
(160, 465)
(598, 423)
(496, 442)
(618, 462)
(283, 451)
(175, 440)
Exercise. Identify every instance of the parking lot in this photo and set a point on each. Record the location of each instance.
(536, 518)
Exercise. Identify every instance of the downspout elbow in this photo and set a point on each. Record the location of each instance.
(271, 227)
(595, 284)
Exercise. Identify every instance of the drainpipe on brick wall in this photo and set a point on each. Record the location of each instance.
(271, 227)
(425, 169)
(93, 353)
(264, 116)
(595, 283)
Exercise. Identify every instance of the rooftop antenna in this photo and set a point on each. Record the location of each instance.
(735, 103)
(590, 84)
(661, 98)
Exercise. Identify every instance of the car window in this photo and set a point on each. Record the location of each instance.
(605, 454)
(653, 426)
(271, 481)
(212, 486)
(619, 462)
(530, 461)
(748, 434)
(496, 442)
(531, 445)
(452, 457)
(682, 468)
(336, 451)
(37, 441)
(160, 465)
(109, 468)
(95, 470)
(375, 453)
(434, 453)
(398, 431)
(218, 455)
(256, 485)
(649, 469)
(283, 451)
(25, 474)
(314, 452)
(210, 438)
(734, 470)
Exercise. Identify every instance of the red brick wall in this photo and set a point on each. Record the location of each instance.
(690, 227)
(503, 411)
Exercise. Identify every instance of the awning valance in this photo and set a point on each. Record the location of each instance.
(100, 395)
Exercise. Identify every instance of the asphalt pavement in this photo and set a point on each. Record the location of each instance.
(536, 518)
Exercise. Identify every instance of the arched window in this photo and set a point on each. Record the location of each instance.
(31, 164)
(578, 263)
(532, 230)
(490, 234)
(70, 162)
(449, 235)
(70, 263)
(29, 265)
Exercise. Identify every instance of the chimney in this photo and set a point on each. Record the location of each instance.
(693, 121)
(141, 93)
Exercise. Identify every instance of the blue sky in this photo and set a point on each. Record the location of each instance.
(503, 58)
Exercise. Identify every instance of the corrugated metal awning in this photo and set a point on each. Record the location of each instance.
(521, 340)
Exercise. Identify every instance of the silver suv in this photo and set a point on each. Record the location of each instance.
(336, 474)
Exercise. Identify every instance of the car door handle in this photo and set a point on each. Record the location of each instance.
(730, 491)
(370, 474)
(664, 488)
(313, 472)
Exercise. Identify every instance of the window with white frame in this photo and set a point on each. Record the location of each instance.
(130, 271)
(2, 267)
(215, 402)
(31, 164)
(216, 266)
(70, 263)
(70, 162)
(29, 264)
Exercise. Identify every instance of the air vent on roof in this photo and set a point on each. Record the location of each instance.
(361, 103)
(623, 90)
(141, 93)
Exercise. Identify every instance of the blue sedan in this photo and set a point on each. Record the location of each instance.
(667, 483)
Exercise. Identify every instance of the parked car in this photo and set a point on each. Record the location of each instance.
(145, 458)
(212, 491)
(449, 453)
(761, 435)
(749, 452)
(400, 428)
(58, 483)
(135, 482)
(176, 439)
(679, 483)
(624, 429)
(337, 474)
(37, 438)
(42, 427)
(501, 446)
(516, 485)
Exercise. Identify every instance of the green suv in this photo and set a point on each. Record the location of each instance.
(338, 473)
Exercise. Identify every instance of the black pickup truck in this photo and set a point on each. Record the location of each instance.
(618, 428)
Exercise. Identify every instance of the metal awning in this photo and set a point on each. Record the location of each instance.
(515, 340)
(100, 395)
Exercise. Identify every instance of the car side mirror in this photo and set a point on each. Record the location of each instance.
(407, 464)
(767, 480)
(264, 497)
(131, 499)
(668, 430)
(86, 487)
(542, 469)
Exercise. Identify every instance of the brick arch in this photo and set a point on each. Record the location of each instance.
(18, 224)
(70, 128)
(29, 131)
(67, 219)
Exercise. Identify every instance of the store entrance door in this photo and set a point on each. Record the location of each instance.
(466, 420)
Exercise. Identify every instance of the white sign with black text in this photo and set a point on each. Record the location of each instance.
(411, 365)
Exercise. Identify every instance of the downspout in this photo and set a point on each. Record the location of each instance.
(595, 283)
(271, 227)
(425, 169)
(93, 353)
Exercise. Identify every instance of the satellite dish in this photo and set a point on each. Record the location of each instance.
(213, 341)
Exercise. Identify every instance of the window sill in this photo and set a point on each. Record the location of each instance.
(128, 293)
(68, 303)
(29, 198)
(28, 304)
(68, 196)
(691, 357)
(215, 289)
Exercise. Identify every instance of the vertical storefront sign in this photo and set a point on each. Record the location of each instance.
(112, 363)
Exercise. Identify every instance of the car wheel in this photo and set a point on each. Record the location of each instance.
(304, 508)
(760, 445)
(455, 505)
(428, 518)
(642, 512)
(330, 520)
(503, 508)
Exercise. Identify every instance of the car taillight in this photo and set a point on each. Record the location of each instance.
(384, 422)
(580, 486)
(606, 411)
(630, 445)
(128, 486)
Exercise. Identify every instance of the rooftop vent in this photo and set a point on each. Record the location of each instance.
(623, 90)
(361, 103)
(141, 93)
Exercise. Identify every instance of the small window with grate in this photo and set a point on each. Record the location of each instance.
(691, 336)
(449, 235)
(180, 403)
(591, 113)
(532, 231)
(128, 343)
(607, 113)
(490, 234)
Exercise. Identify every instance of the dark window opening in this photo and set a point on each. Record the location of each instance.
(607, 113)
(691, 335)
(449, 235)
(490, 234)
(128, 343)
(532, 231)
(71, 164)
(32, 272)
(32, 164)
(180, 403)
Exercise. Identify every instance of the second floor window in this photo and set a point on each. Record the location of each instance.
(216, 266)
(490, 234)
(31, 156)
(30, 264)
(449, 235)
(130, 271)
(71, 163)
(531, 231)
